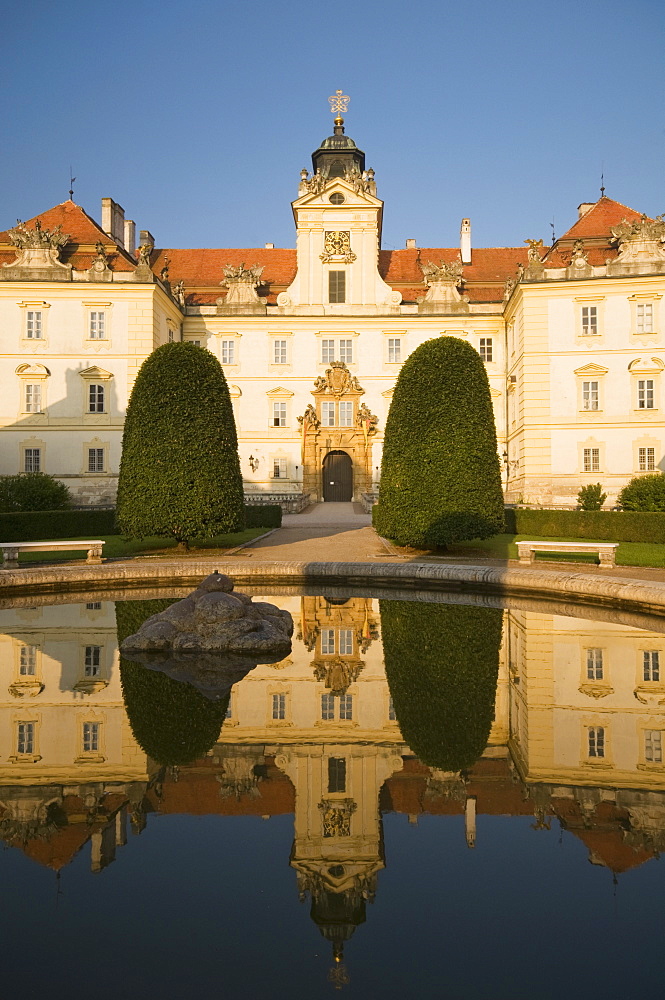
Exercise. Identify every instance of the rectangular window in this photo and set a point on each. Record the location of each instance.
(95, 399)
(594, 664)
(279, 468)
(346, 414)
(279, 414)
(336, 286)
(33, 398)
(592, 459)
(486, 346)
(596, 736)
(345, 639)
(229, 711)
(33, 326)
(327, 707)
(646, 459)
(228, 348)
(28, 661)
(346, 707)
(346, 351)
(391, 711)
(279, 706)
(171, 335)
(25, 742)
(32, 460)
(327, 351)
(589, 319)
(95, 459)
(92, 662)
(279, 352)
(336, 774)
(653, 746)
(590, 395)
(97, 326)
(645, 394)
(93, 606)
(394, 350)
(327, 641)
(328, 414)
(651, 665)
(645, 318)
(90, 737)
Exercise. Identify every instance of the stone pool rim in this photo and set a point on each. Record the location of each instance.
(577, 588)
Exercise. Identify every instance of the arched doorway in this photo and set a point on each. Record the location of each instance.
(337, 477)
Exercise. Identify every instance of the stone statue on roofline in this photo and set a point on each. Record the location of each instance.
(443, 281)
(178, 293)
(37, 254)
(241, 297)
(640, 244)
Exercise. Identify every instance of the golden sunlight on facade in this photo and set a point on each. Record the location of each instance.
(312, 339)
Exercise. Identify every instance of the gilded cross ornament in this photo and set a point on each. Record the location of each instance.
(339, 103)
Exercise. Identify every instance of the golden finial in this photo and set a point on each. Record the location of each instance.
(339, 103)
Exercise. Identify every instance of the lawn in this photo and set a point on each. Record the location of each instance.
(505, 547)
(118, 547)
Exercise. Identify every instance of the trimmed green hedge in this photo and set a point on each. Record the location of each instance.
(180, 472)
(608, 525)
(440, 475)
(263, 515)
(172, 722)
(442, 664)
(39, 525)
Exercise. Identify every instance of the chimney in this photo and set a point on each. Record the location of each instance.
(113, 220)
(410, 244)
(584, 208)
(130, 236)
(146, 236)
(270, 246)
(465, 241)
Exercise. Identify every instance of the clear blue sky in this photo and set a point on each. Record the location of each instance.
(197, 117)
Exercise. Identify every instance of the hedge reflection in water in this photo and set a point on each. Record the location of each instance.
(172, 722)
(442, 663)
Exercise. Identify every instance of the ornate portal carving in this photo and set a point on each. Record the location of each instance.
(337, 247)
(337, 380)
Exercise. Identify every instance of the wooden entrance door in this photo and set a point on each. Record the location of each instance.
(337, 477)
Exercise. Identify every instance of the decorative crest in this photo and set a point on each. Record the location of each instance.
(535, 250)
(641, 229)
(339, 103)
(37, 238)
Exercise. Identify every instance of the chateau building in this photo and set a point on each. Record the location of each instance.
(312, 339)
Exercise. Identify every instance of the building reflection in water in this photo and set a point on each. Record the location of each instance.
(576, 736)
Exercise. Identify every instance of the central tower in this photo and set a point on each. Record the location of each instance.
(338, 233)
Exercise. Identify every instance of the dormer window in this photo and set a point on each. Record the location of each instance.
(336, 198)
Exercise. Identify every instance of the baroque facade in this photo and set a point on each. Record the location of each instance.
(312, 339)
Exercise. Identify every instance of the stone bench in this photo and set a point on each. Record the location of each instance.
(10, 550)
(526, 551)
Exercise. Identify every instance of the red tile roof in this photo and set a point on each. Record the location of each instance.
(598, 221)
(83, 232)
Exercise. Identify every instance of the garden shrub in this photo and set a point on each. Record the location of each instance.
(440, 476)
(442, 663)
(591, 497)
(172, 722)
(180, 472)
(42, 525)
(645, 493)
(33, 491)
(263, 515)
(605, 525)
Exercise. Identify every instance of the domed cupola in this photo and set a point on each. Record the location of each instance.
(338, 155)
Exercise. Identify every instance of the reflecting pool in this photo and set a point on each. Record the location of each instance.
(421, 799)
